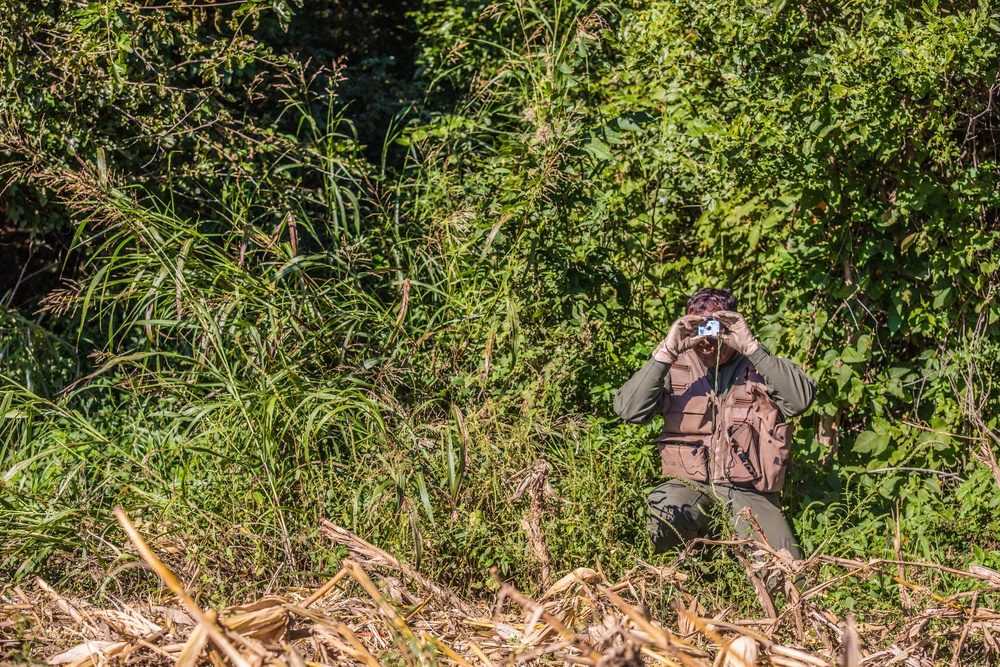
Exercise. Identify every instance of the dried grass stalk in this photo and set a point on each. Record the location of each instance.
(580, 621)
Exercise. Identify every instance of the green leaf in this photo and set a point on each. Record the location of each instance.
(852, 355)
(869, 442)
(628, 125)
(942, 297)
(425, 498)
(599, 150)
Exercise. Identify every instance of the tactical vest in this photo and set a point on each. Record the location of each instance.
(740, 438)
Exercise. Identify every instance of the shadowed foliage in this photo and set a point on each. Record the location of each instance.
(382, 285)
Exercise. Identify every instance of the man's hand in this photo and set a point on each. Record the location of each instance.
(738, 335)
(681, 337)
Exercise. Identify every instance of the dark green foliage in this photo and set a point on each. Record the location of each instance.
(181, 98)
(282, 326)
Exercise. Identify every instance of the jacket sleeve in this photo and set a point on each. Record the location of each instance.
(792, 390)
(639, 399)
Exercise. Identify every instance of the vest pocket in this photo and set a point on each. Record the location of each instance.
(688, 460)
(741, 407)
(688, 415)
(740, 454)
(774, 457)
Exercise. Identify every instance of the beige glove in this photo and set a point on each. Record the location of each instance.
(681, 337)
(738, 335)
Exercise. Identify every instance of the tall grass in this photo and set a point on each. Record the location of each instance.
(394, 350)
(242, 384)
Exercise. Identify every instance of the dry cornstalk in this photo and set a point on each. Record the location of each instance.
(364, 551)
(212, 628)
(343, 629)
(508, 590)
(325, 588)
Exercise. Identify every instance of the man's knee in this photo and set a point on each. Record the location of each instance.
(669, 528)
(674, 516)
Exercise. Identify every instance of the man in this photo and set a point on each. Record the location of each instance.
(724, 400)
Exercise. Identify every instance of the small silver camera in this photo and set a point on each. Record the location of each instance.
(711, 327)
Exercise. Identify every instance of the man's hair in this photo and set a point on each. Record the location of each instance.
(709, 300)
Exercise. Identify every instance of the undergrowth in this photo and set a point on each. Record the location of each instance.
(391, 345)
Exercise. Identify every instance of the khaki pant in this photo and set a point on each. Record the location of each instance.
(681, 510)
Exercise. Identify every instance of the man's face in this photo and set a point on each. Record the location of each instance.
(708, 349)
